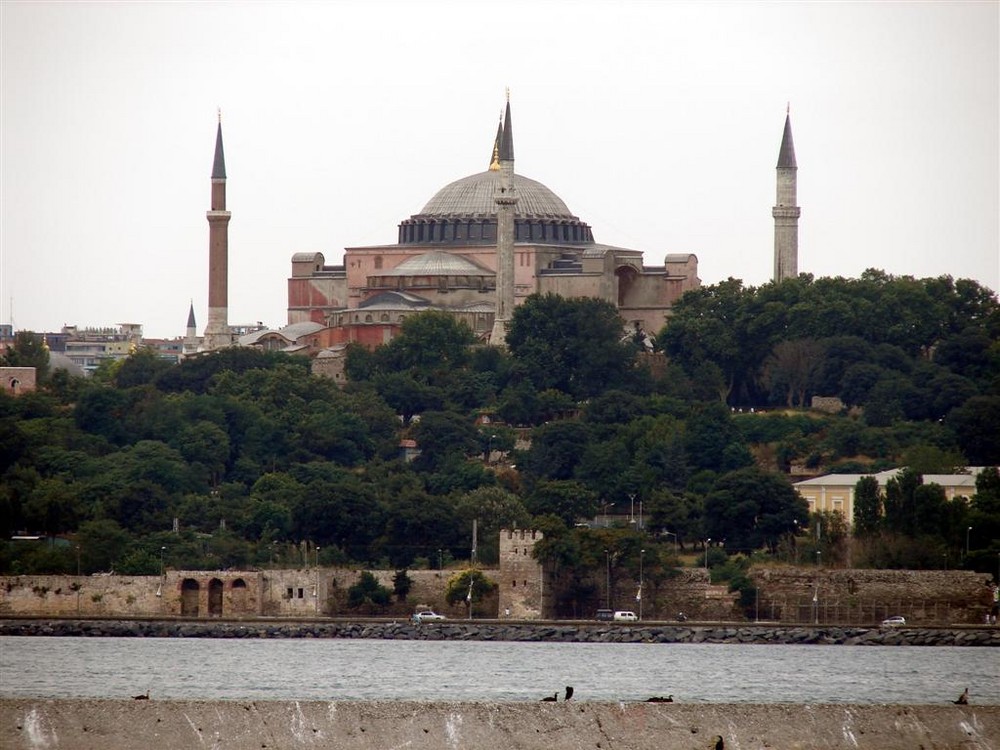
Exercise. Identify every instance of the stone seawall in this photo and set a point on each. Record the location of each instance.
(506, 631)
(84, 724)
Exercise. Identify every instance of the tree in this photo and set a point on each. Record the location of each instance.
(368, 594)
(867, 506)
(28, 350)
(792, 368)
(401, 585)
(568, 500)
(900, 505)
(977, 427)
(407, 395)
(571, 345)
(708, 327)
(494, 509)
(713, 441)
(469, 586)
(557, 449)
(441, 434)
(750, 508)
(432, 345)
(142, 367)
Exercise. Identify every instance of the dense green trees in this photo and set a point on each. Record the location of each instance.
(255, 458)
(889, 344)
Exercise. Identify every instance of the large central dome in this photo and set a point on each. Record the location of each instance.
(465, 212)
(474, 196)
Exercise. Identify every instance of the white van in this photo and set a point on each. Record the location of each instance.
(624, 615)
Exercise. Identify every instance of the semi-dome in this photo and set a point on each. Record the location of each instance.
(464, 212)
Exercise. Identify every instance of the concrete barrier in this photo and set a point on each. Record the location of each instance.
(85, 724)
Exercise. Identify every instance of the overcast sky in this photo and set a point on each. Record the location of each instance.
(657, 123)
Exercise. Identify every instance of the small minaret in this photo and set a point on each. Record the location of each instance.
(506, 201)
(786, 212)
(217, 333)
(191, 334)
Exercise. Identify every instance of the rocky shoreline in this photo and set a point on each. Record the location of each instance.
(506, 631)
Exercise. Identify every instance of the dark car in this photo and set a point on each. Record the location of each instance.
(606, 615)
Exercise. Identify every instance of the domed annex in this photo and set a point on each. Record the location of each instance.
(454, 256)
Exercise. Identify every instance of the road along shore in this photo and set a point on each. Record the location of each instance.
(499, 630)
(88, 724)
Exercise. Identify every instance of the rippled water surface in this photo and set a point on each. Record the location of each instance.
(489, 671)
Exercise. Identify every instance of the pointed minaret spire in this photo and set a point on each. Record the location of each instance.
(495, 158)
(786, 211)
(506, 203)
(786, 156)
(219, 165)
(190, 345)
(507, 141)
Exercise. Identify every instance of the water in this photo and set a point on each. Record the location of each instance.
(332, 669)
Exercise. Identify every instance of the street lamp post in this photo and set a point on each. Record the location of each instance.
(641, 525)
(670, 533)
(967, 532)
(642, 553)
(489, 450)
(707, 542)
(159, 586)
(607, 582)
(607, 523)
(317, 579)
(631, 510)
(819, 558)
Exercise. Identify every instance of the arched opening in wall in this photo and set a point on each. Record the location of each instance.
(626, 276)
(190, 591)
(215, 598)
(239, 595)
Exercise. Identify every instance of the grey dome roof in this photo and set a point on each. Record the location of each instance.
(474, 196)
(438, 264)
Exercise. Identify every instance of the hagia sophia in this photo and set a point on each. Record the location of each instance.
(477, 248)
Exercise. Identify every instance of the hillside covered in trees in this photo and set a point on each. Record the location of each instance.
(257, 459)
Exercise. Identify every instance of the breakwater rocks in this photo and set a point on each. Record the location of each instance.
(507, 631)
(85, 724)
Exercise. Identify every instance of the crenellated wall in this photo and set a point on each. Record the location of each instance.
(923, 597)
(784, 594)
(304, 592)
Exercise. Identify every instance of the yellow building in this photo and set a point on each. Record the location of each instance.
(835, 492)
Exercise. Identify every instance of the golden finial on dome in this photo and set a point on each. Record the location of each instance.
(495, 164)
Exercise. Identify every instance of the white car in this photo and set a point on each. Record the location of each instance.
(427, 616)
(893, 622)
(624, 615)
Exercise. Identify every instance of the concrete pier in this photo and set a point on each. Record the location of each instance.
(86, 724)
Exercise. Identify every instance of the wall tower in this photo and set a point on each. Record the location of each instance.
(217, 332)
(506, 201)
(522, 578)
(786, 211)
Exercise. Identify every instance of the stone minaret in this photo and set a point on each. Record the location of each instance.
(190, 345)
(786, 212)
(217, 333)
(506, 201)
